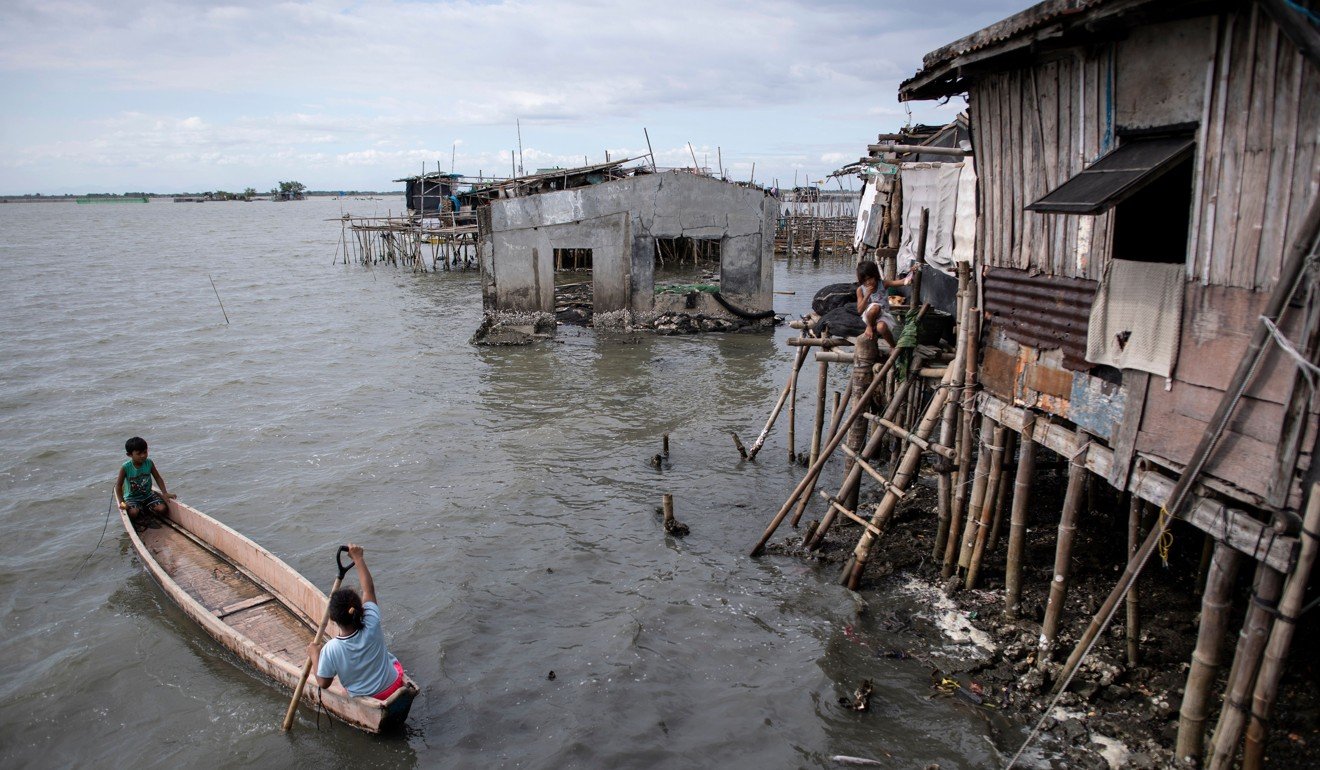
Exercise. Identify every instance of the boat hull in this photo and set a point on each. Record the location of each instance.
(255, 605)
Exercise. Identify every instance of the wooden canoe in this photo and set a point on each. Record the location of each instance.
(254, 604)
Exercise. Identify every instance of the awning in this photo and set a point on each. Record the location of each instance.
(1108, 181)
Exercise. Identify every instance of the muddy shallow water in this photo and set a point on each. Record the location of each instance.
(504, 497)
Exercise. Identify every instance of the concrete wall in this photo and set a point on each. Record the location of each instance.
(620, 221)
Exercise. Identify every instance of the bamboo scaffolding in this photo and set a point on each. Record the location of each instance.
(873, 445)
(779, 405)
(835, 417)
(852, 572)
(865, 355)
(965, 438)
(814, 470)
(949, 425)
(976, 499)
(1002, 488)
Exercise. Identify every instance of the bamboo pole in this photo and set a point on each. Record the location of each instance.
(1072, 503)
(1276, 651)
(976, 500)
(964, 442)
(814, 470)
(1246, 662)
(822, 383)
(1017, 528)
(992, 487)
(852, 571)
(1207, 656)
(873, 472)
(1133, 630)
(792, 415)
(779, 405)
(903, 434)
(865, 355)
(949, 424)
(1001, 490)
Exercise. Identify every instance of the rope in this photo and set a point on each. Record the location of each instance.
(1166, 538)
(1308, 369)
(88, 557)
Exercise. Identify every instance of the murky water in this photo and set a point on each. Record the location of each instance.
(503, 495)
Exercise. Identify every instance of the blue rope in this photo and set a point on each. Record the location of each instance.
(1303, 10)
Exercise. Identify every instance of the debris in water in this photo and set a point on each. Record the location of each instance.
(861, 698)
(550, 676)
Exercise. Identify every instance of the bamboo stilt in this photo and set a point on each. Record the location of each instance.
(1246, 662)
(1017, 528)
(1207, 656)
(966, 424)
(1276, 651)
(1133, 630)
(1001, 490)
(987, 511)
(949, 425)
(865, 354)
(835, 417)
(792, 416)
(1072, 503)
(976, 500)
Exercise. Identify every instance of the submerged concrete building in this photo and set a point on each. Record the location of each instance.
(625, 230)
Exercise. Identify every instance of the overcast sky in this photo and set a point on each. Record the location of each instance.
(113, 96)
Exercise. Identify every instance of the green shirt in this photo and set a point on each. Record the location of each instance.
(137, 480)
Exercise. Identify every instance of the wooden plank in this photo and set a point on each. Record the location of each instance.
(245, 604)
(1217, 324)
(1237, 528)
(1306, 167)
(1202, 157)
(1257, 138)
(1214, 140)
(1234, 142)
(1124, 441)
(1096, 405)
(1282, 157)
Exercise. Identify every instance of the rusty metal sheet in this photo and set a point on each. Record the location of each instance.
(998, 373)
(1046, 379)
(1043, 311)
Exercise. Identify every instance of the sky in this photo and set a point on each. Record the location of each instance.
(113, 96)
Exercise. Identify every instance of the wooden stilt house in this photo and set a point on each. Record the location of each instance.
(1147, 282)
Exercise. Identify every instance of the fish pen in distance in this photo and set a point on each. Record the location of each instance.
(439, 241)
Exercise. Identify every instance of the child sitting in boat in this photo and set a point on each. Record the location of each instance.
(357, 655)
(133, 489)
(873, 302)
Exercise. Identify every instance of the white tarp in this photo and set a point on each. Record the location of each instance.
(948, 191)
(869, 215)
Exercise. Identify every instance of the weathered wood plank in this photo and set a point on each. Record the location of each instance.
(1282, 157)
(1257, 139)
(245, 604)
(1306, 166)
(1234, 141)
(1124, 442)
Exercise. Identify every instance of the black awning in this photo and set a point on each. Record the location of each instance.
(1135, 164)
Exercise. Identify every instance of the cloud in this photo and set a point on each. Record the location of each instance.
(365, 85)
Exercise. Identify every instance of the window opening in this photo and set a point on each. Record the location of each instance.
(1152, 225)
(573, 290)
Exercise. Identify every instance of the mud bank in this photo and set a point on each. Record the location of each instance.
(1115, 715)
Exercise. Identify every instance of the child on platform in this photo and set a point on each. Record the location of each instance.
(873, 302)
(357, 655)
(133, 489)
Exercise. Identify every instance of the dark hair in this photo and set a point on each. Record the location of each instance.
(867, 269)
(346, 609)
(135, 444)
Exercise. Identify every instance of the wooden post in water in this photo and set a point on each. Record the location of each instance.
(1001, 488)
(779, 405)
(1208, 655)
(965, 437)
(822, 383)
(1017, 527)
(865, 354)
(949, 424)
(1072, 503)
(1246, 662)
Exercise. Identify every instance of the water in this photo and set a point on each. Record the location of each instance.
(503, 495)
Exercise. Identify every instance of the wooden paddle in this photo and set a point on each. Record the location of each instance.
(325, 618)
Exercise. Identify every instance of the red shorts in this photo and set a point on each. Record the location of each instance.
(388, 691)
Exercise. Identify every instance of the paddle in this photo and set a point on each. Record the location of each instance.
(307, 667)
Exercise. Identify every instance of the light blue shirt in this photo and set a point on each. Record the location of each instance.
(361, 662)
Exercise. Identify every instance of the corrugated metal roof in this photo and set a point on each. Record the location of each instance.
(1043, 311)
